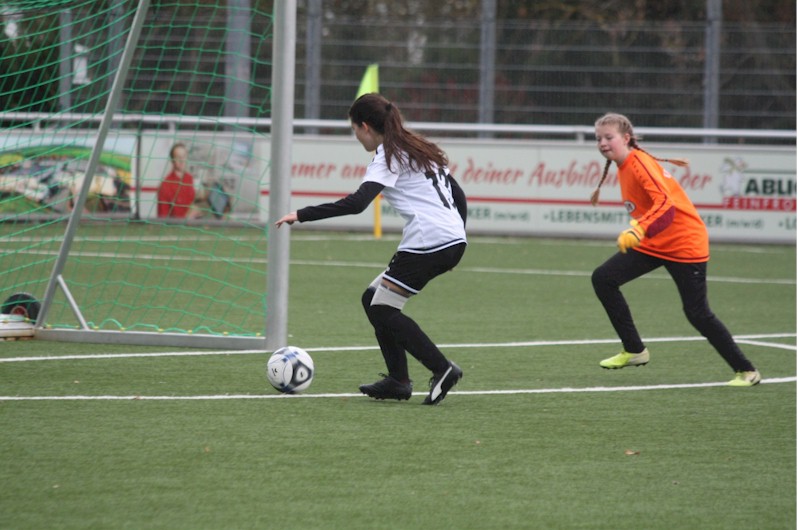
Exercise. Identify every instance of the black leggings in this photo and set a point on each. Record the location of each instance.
(691, 280)
(396, 332)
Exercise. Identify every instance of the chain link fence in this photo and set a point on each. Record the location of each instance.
(439, 66)
(551, 72)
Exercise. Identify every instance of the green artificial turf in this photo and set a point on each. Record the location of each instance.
(536, 435)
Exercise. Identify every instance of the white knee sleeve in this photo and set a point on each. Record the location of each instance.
(384, 296)
(376, 282)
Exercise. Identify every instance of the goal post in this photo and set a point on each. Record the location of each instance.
(141, 145)
(280, 189)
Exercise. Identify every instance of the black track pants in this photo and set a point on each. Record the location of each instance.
(691, 281)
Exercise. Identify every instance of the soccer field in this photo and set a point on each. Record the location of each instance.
(536, 435)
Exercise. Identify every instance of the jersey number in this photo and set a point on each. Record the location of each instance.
(440, 179)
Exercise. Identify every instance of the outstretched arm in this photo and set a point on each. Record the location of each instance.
(353, 203)
(288, 218)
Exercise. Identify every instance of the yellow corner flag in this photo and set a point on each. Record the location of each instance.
(371, 83)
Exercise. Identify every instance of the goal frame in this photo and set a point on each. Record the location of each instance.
(278, 251)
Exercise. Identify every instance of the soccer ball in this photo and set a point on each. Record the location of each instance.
(290, 370)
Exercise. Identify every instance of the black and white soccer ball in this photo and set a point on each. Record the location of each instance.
(290, 370)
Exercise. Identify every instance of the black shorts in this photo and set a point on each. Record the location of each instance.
(412, 271)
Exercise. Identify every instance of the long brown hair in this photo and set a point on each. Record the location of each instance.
(624, 126)
(398, 142)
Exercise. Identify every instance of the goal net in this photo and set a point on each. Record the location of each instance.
(166, 243)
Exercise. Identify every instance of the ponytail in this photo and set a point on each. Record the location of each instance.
(411, 150)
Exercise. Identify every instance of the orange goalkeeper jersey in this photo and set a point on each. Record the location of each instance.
(674, 230)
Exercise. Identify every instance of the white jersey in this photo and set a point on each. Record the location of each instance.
(424, 201)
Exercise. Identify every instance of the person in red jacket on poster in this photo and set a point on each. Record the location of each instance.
(666, 231)
(176, 192)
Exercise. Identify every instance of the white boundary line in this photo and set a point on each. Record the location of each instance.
(227, 397)
(748, 339)
(380, 265)
(744, 339)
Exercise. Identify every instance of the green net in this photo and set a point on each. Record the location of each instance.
(170, 238)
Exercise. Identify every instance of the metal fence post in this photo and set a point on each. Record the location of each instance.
(487, 63)
(712, 65)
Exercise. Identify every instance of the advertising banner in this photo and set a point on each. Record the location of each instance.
(744, 193)
(43, 173)
(226, 172)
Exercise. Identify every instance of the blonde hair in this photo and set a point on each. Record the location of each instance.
(624, 126)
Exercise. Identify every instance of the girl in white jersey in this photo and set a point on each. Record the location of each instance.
(412, 174)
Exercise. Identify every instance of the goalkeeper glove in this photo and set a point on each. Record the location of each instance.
(630, 238)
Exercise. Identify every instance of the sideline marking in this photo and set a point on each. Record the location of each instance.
(744, 339)
(359, 264)
(749, 339)
(224, 397)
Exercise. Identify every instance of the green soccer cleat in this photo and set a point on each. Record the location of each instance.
(746, 379)
(625, 359)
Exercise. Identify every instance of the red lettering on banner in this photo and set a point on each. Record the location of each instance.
(489, 174)
(694, 181)
(588, 175)
(543, 176)
(759, 203)
(353, 172)
(312, 171)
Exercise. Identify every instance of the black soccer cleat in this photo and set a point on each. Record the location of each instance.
(441, 384)
(388, 388)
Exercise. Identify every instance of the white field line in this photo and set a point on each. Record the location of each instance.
(747, 339)
(227, 397)
(378, 266)
(221, 397)
(654, 276)
(390, 237)
(768, 344)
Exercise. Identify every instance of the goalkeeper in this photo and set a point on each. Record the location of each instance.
(665, 230)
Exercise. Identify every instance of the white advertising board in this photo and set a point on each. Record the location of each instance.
(744, 193)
